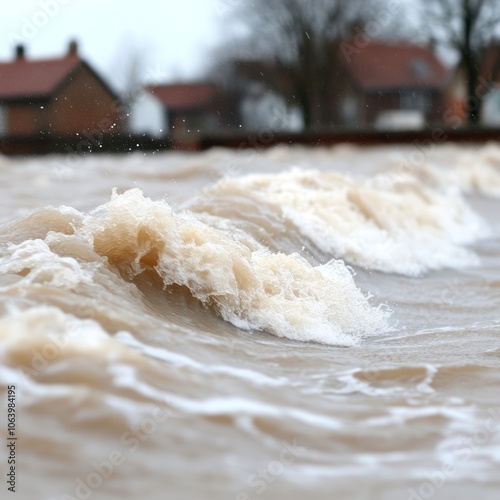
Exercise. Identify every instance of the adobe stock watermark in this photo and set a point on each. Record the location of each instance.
(423, 149)
(409, 163)
(130, 442)
(260, 480)
(31, 26)
(222, 7)
(452, 293)
(463, 450)
(54, 347)
(91, 139)
(372, 29)
(94, 139)
(248, 150)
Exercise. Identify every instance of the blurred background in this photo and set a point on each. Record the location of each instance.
(190, 74)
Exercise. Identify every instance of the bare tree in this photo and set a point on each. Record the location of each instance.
(291, 46)
(466, 26)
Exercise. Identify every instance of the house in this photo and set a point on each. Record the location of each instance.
(194, 108)
(375, 84)
(58, 97)
(402, 81)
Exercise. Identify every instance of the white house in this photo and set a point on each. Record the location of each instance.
(148, 115)
(263, 108)
(491, 108)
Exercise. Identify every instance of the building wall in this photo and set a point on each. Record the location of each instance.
(430, 103)
(191, 122)
(82, 105)
(376, 102)
(22, 119)
(456, 97)
(437, 107)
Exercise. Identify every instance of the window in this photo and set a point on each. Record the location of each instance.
(420, 68)
(415, 100)
(491, 108)
(3, 121)
(350, 110)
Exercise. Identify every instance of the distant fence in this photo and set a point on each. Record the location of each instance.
(83, 144)
(436, 135)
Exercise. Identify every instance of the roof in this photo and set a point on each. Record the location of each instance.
(184, 96)
(24, 79)
(383, 66)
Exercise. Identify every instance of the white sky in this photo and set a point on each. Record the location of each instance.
(172, 38)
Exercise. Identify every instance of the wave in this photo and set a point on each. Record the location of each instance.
(68, 258)
(468, 172)
(238, 254)
(378, 223)
(476, 173)
(254, 289)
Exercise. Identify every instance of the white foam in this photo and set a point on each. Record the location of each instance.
(255, 290)
(378, 223)
(44, 266)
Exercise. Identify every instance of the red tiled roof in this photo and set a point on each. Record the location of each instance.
(184, 96)
(22, 79)
(382, 65)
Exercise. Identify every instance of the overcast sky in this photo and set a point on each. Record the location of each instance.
(173, 37)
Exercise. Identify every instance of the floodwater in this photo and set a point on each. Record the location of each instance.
(285, 324)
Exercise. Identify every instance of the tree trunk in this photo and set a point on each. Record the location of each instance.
(305, 102)
(473, 101)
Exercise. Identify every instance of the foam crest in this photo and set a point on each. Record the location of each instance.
(38, 264)
(253, 289)
(379, 223)
(480, 172)
(467, 171)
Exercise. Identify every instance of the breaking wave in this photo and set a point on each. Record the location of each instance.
(253, 288)
(248, 247)
(378, 223)
(246, 284)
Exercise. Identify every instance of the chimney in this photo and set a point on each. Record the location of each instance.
(73, 48)
(20, 52)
